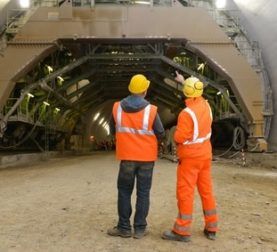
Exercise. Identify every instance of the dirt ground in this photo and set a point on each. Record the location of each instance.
(67, 204)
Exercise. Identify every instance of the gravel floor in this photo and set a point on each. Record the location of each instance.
(67, 204)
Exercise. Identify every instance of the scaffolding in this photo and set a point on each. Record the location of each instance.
(229, 22)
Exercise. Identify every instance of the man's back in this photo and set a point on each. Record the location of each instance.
(194, 130)
(135, 137)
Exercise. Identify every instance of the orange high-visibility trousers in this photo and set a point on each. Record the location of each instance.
(192, 172)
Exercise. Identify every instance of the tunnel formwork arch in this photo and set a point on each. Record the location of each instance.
(105, 46)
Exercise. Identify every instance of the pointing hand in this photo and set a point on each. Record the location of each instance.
(179, 77)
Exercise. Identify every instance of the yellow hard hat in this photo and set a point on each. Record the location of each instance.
(138, 84)
(193, 87)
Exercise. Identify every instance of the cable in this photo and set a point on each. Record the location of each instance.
(238, 138)
(26, 137)
(238, 142)
(254, 148)
(221, 155)
(23, 140)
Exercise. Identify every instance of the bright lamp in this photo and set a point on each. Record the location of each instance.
(24, 3)
(220, 4)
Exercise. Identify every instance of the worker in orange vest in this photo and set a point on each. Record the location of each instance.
(138, 129)
(192, 135)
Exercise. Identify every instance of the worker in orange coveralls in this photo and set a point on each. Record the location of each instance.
(192, 136)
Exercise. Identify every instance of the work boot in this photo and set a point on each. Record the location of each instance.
(209, 234)
(118, 232)
(170, 235)
(140, 233)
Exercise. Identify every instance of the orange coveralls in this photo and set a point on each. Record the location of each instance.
(192, 136)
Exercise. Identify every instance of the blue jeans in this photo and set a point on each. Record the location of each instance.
(129, 170)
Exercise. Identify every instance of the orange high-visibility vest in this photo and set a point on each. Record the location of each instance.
(135, 138)
(196, 118)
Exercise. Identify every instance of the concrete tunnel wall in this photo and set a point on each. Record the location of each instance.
(259, 18)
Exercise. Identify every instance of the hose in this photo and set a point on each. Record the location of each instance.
(238, 142)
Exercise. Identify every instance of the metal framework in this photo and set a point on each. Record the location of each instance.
(108, 66)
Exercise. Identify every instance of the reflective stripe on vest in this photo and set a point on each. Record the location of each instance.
(195, 138)
(143, 131)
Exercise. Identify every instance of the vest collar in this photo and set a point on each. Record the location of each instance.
(193, 100)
